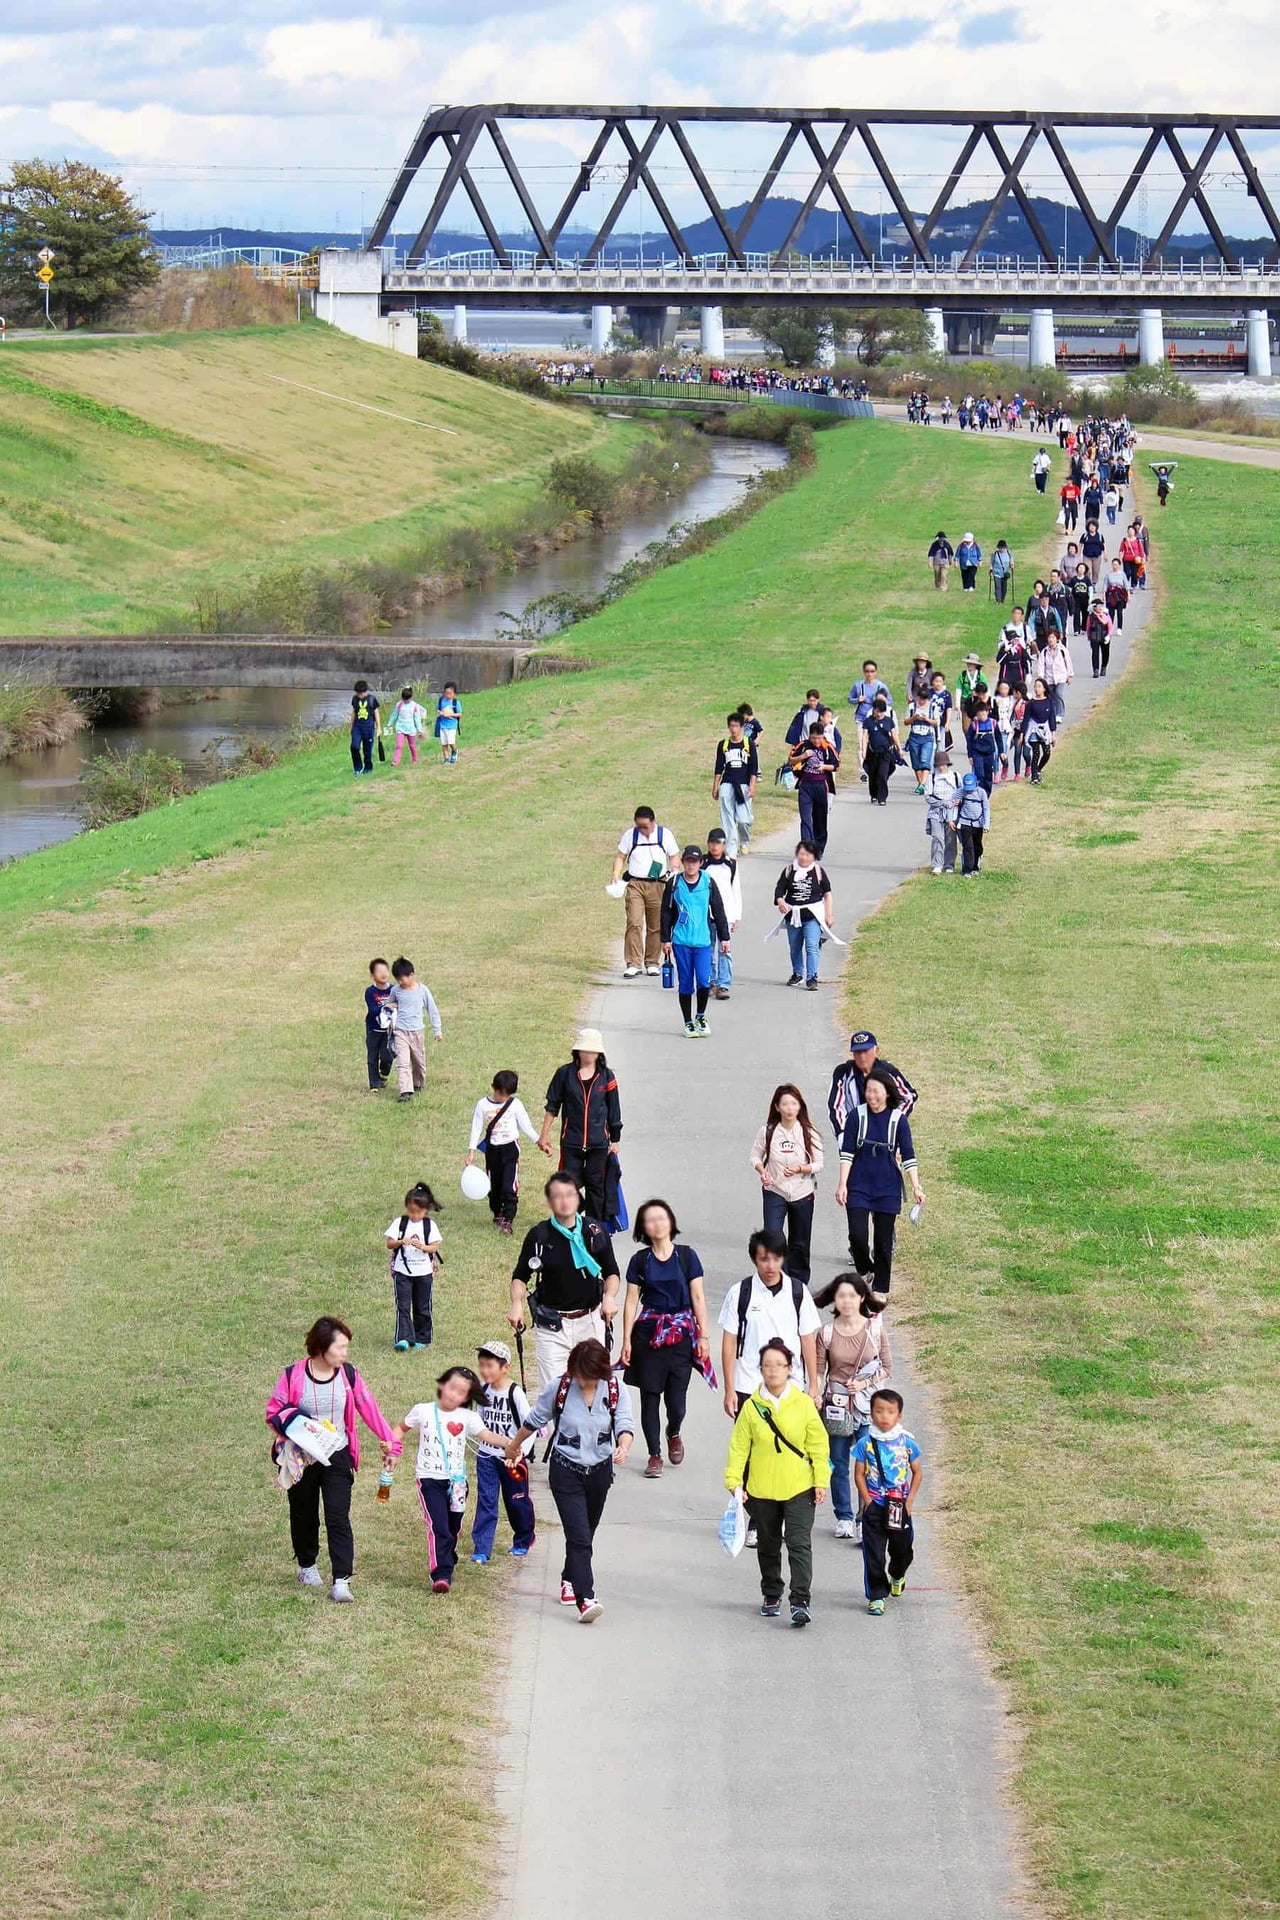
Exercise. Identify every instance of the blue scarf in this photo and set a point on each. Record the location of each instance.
(582, 1259)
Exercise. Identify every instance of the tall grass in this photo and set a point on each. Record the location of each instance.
(34, 714)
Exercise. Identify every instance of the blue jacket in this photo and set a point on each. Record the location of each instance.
(968, 554)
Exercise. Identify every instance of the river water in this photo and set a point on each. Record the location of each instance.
(39, 792)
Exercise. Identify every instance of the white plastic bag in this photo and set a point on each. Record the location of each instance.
(616, 889)
(318, 1439)
(733, 1526)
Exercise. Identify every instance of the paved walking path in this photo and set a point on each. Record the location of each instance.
(682, 1755)
(1151, 440)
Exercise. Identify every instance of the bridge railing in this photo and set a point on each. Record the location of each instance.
(646, 269)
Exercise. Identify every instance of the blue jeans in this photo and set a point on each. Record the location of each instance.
(494, 1477)
(920, 753)
(804, 942)
(721, 967)
(842, 1446)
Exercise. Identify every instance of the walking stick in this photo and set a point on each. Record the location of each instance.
(524, 1385)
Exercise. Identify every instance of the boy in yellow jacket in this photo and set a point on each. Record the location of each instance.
(780, 1444)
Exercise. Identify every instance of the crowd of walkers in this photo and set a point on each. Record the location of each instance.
(812, 1403)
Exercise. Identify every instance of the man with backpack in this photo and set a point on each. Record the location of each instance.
(769, 1304)
(567, 1277)
(646, 854)
(734, 785)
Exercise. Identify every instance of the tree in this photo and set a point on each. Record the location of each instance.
(97, 234)
(883, 330)
(798, 334)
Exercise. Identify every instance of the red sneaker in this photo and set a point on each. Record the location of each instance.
(440, 1586)
(567, 1595)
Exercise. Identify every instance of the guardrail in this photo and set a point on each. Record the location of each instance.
(716, 392)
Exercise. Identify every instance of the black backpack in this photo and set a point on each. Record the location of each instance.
(879, 735)
(798, 1292)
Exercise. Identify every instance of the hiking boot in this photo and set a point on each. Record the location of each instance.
(675, 1449)
(309, 1577)
(770, 1609)
(875, 1607)
(341, 1592)
(800, 1616)
(567, 1596)
(653, 1470)
(898, 1587)
(588, 1611)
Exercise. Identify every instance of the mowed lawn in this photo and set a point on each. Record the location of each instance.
(193, 1171)
(1094, 1025)
(133, 471)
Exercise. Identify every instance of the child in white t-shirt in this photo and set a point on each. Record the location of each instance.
(411, 1242)
(444, 1426)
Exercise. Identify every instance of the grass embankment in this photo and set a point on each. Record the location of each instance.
(138, 474)
(1094, 1024)
(193, 1171)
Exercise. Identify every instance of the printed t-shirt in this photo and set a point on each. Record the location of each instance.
(898, 1449)
(413, 1259)
(442, 1439)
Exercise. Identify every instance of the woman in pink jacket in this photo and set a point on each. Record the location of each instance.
(326, 1386)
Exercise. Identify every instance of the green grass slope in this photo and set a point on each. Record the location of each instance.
(131, 471)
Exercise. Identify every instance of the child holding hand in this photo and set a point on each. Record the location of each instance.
(444, 1425)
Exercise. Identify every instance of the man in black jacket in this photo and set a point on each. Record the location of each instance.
(584, 1094)
(569, 1263)
(849, 1080)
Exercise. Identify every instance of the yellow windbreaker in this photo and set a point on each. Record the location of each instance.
(773, 1470)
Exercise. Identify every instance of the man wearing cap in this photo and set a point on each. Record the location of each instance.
(504, 1408)
(723, 873)
(646, 854)
(693, 919)
(584, 1094)
(569, 1263)
(849, 1081)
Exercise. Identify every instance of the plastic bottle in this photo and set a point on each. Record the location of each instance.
(385, 1479)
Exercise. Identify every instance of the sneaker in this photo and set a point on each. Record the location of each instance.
(770, 1609)
(309, 1577)
(796, 980)
(800, 1616)
(588, 1611)
(752, 1539)
(919, 789)
(655, 971)
(856, 1535)
(675, 1449)
(690, 1030)
(898, 1587)
(440, 1586)
(811, 986)
(479, 1559)
(341, 1592)
(935, 869)
(654, 1469)
(403, 1346)
(629, 973)
(700, 1027)
(844, 1529)
(875, 1607)
(377, 1089)
(522, 1553)
(567, 1596)
(405, 1096)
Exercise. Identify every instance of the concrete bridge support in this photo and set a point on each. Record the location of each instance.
(601, 328)
(935, 330)
(654, 327)
(1151, 337)
(1040, 341)
(712, 340)
(973, 333)
(1258, 330)
(458, 325)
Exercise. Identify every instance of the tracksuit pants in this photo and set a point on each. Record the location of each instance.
(362, 747)
(885, 1555)
(494, 1479)
(776, 1521)
(413, 1307)
(443, 1527)
(332, 1485)
(811, 797)
(502, 1163)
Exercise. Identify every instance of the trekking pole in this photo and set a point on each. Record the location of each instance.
(524, 1385)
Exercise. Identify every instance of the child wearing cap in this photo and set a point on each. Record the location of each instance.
(504, 1408)
(693, 918)
(941, 791)
(971, 816)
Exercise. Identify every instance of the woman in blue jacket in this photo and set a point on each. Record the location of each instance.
(968, 559)
(876, 1152)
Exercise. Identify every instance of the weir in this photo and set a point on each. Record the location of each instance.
(264, 660)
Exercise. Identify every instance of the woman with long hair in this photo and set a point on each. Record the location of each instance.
(786, 1155)
(853, 1360)
(664, 1329)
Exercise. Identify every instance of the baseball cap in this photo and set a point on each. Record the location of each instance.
(969, 783)
(691, 853)
(861, 1040)
(716, 833)
(495, 1350)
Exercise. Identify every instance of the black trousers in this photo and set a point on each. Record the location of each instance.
(674, 1397)
(503, 1166)
(443, 1525)
(812, 801)
(1100, 649)
(878, 767)
(886, 1554)
(579, 1497)
(332, 1485)
(587, 1167)
(795, 1219)
(380, 1055)
(362, 748)
(871, 1244)
(413, 1308)
(967, 577)
(971, 849)
(1079, 616)
(776, 1521)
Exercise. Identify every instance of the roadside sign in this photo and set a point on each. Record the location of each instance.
(44, 256)
(45, 275)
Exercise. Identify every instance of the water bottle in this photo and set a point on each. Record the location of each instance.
(668, 973)
(384, 1484)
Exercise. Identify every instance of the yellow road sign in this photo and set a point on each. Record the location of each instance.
(45, 274)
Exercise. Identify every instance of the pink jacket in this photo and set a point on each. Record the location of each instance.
(283, 1404)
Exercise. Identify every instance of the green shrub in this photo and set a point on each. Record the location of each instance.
(585, 487)
(119, 786)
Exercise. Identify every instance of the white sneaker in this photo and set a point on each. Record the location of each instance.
(309, 1577)
(751, 1539)
(844, 1529)
(653, 970)
(629, 973)
(567, 1598)
(341, 1592)
(589, 1610)
(856, 1535)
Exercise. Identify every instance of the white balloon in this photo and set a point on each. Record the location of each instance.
(475, 1183)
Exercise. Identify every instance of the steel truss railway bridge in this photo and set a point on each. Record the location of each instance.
(371, 291)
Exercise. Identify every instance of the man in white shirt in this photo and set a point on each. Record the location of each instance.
(770, 1304)
(646, 854)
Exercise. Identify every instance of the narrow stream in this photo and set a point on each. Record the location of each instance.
(39, 792)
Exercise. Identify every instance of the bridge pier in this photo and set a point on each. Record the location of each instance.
(458, 325)
(1258, 329)
(935, 330)
(1040, 341)
(973, 333)
(712, 333)
(654, 327)
(1151, 337)
(601, 328)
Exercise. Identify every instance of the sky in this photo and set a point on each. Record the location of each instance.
(287, 113)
